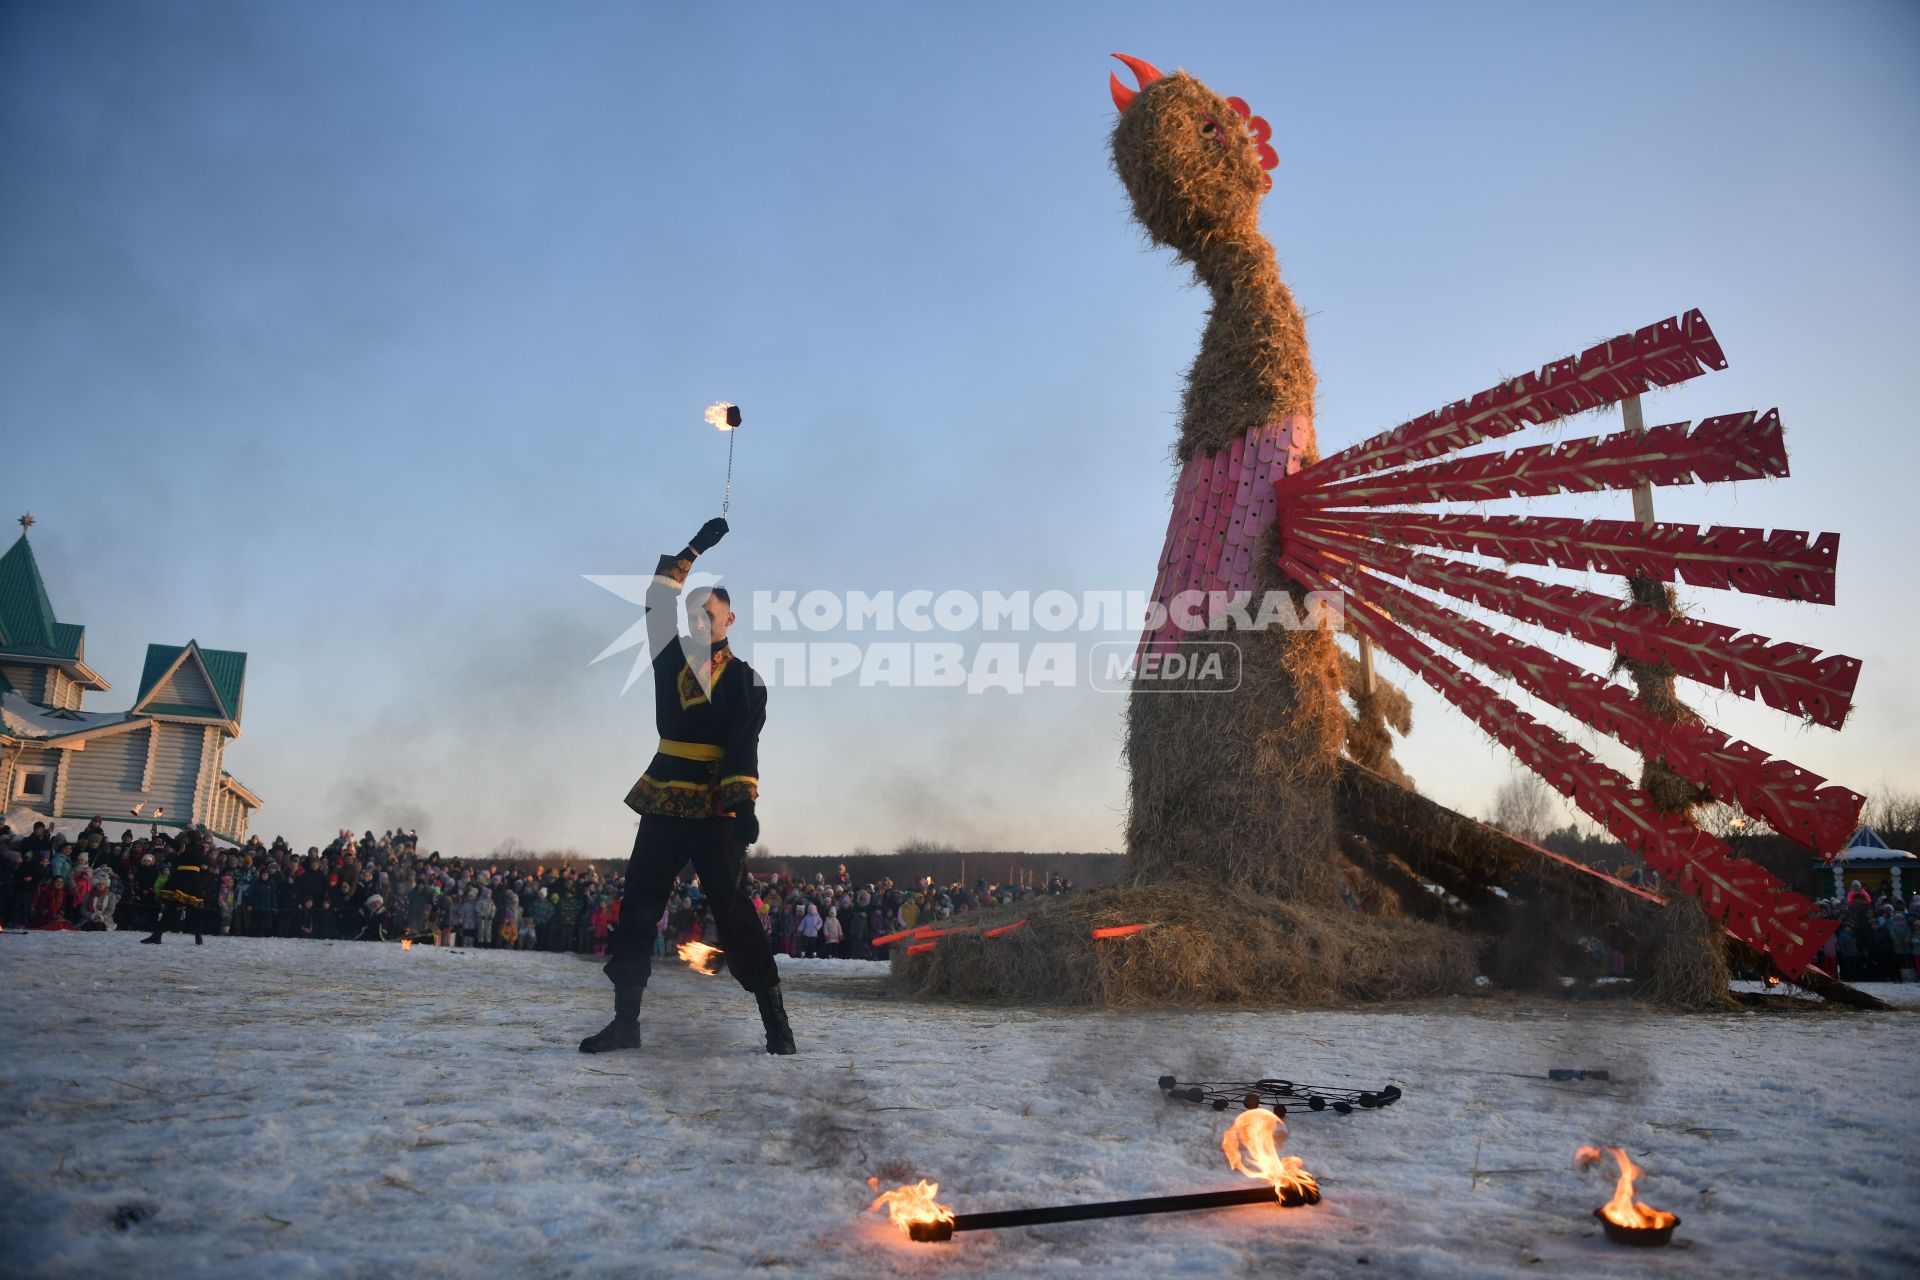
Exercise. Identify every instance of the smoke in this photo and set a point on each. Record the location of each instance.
(375, 804)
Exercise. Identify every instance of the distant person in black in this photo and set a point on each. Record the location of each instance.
(695, 801)
(188, 896)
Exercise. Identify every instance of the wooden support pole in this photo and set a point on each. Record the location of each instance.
(1642, 492)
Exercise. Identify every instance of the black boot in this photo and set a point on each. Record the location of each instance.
(152, 939)
(623, 1032)
(773, 1015)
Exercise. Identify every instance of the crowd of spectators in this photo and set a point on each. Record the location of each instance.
(1878, 939)
(831, 917)
(380, 889)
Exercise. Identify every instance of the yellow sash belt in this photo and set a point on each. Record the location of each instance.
(690, 750)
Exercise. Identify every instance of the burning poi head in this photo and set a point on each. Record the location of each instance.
(702, 958)
(1252, 1145)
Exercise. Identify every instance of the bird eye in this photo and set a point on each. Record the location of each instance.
(1209, 128)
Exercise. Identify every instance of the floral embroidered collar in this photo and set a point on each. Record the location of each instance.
(694, 684)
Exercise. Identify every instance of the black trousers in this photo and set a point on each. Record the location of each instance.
(662, 848)
(187, 919)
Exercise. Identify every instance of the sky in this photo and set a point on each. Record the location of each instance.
(356, 336)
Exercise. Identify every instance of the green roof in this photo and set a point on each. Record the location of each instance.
(228, 667)
(226, 671)
(27, 625)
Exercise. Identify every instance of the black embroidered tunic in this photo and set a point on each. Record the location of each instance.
(709, 718)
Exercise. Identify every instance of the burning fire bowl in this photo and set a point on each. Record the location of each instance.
(1643, 1237)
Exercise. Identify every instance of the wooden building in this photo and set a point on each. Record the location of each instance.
(163, 760)
(1868, 860)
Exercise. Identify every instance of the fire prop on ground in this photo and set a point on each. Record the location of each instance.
(1251, 1146)
(1626, 1220)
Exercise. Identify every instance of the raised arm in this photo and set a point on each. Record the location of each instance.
(669, 576)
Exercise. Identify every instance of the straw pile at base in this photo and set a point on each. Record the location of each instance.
(1683, 957)
(1209, 945)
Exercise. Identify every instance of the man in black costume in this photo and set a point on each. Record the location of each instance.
(188, 896)
(695, 801)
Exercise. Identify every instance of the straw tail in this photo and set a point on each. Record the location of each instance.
(1786, 564)
(1752, 905)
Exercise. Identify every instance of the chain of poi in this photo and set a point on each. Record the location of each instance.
(727, 498)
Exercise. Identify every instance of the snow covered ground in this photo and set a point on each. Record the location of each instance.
(297, 1108)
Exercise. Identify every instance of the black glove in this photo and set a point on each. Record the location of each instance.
(710, 534)
(746, 826)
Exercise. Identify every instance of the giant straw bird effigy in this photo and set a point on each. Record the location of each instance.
(1261, 818)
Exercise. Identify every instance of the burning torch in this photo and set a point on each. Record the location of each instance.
(723, 416)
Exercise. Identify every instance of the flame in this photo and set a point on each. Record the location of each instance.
(908, 1205)
(1120, 930)
(717, 415)
(1252, 1145)
(1623, 1210)
(703, 958)
(406, 944)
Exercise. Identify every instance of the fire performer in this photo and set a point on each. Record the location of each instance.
(695, 800)
(189, 891)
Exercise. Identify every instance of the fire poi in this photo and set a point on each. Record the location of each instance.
(1251, 1145)
(722, 416)
(702, 958)
(1279, 1095)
